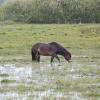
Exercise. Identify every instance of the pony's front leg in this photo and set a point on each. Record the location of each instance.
(38, 58)
(57, 58)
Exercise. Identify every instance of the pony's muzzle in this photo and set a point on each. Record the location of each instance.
(69, 61)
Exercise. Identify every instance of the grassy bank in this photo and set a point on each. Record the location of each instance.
(17, 39)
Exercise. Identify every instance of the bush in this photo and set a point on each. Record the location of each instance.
(52, 11)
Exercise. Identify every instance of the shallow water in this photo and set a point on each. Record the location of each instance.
(30, 80)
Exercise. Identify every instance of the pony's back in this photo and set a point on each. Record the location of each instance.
(60, 49)
(56, 44)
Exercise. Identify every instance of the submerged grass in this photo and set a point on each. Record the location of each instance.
(6, 81)
(20, 89)
(4, 75)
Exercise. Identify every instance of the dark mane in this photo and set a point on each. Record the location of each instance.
(61, 49)
(55, 43)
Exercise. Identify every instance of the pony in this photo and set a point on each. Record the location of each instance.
(51, 49)
(47, 50)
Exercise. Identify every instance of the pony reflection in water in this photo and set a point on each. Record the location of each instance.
(52, 49)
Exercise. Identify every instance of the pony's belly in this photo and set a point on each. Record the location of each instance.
(46, 54)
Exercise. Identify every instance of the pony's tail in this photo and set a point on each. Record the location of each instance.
(33, 55)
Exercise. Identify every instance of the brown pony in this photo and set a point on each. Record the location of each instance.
(47, 50)
(51, 49)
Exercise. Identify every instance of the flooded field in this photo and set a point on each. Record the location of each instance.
(78, 80)
(22, 79)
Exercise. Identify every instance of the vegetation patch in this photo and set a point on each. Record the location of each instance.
(41, 11)
(4, 75)
(7, 81)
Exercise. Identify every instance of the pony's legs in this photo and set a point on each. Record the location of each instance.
(52, 57)
(33, 56)
(57, 58)
(38, 58)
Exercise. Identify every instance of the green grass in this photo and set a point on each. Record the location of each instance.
(17, 39)
(20, 88)
(6, 81)
(4, 75)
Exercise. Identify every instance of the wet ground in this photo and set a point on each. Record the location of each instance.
(78, 80)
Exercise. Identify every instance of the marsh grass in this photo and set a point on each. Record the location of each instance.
(16, 41)
(6, 81)
(21, 88)
(4, 75)
(55, 79)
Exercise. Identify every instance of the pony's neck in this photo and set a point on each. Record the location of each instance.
(64, 52)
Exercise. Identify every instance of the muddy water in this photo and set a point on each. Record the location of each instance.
(36, 76)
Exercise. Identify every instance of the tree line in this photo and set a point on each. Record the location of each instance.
(51, 11)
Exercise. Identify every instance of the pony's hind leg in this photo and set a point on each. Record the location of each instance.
(38, 57)
(33, 55)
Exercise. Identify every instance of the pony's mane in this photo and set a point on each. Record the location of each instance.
(56, 44)
(61, 49)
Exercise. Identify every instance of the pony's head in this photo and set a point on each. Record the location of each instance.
(67, 55)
